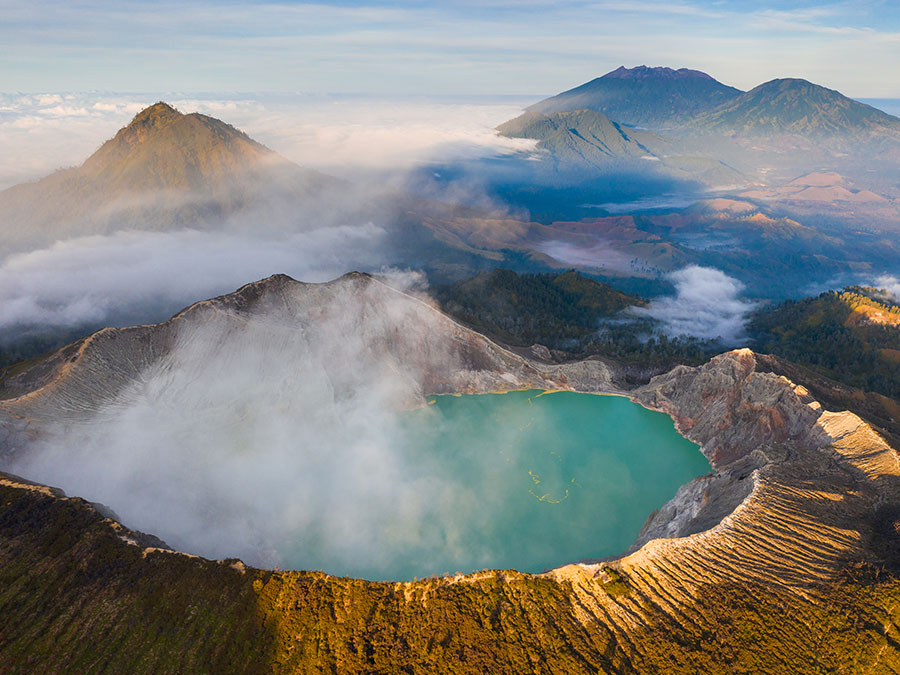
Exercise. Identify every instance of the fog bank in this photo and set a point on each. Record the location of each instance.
(706, 305)
(138, 276)
(891, 284)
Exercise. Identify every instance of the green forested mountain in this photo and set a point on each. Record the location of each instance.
(789, 122)
(795, 106)
(851, 336)
(554, 309)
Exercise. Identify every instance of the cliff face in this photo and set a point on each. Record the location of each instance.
(784, 559)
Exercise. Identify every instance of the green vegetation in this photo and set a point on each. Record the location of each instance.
(850, 336)
(615, 583)
(77, 598)
(37, 345)
(553, 309)
(568, 312)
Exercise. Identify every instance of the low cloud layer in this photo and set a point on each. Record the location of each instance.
(120, 275)
(706, 305)
(138, 276)
(343, 135)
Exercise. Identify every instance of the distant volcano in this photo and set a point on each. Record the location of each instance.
(644, 96)
(795, 106)
(164, 170)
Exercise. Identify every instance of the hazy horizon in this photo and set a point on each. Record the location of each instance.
(42, 132)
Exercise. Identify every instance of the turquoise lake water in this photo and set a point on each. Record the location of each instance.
(523, 480)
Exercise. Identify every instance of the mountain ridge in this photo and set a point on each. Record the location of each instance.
(643, 96)
(586, 136)
(588, 140)
(796, 106)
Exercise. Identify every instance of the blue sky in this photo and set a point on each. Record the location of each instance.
(455, 46)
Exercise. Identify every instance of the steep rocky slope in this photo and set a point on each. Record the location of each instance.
(439, 355)
(782, 560)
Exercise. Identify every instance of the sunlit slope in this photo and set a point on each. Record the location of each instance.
(165, 170)
(852, 336)
(164, 149)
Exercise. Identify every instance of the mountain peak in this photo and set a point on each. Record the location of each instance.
(793, 83)
(658, 72)
(797, 106)
(160, 112)
(644, 96)
(163, 148)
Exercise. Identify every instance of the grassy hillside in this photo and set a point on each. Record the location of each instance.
(77, 597)
(851, 336)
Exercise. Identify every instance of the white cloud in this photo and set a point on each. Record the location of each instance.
(276, 438)
(891, 284)
(128, 276)
(657, 8)
(706, 305)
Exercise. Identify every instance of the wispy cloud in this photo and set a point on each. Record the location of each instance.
(824, 20)
(459, 45)
(657, 8)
